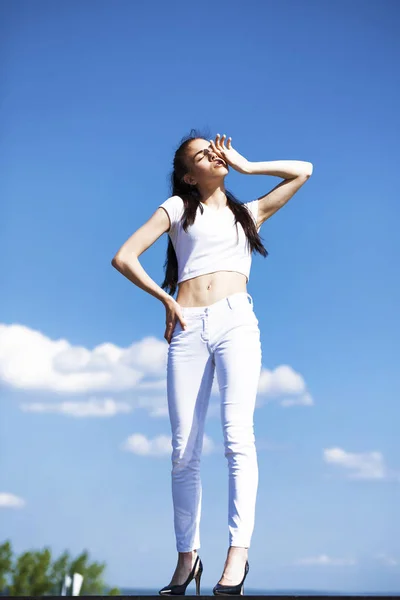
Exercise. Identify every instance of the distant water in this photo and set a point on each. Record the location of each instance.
(252, 592)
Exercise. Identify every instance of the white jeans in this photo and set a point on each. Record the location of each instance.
(223, 337)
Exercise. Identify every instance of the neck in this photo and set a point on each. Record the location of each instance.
(212, 195)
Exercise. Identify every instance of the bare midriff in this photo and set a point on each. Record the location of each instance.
(207, 289)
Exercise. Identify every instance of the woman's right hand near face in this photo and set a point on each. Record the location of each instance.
(173, 314)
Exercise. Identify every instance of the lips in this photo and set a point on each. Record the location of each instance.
(220, 163)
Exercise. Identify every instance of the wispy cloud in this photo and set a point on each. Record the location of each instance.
(8, 500)
(157, 385)
(90, 408)
(367, 465)
(156, 406)
(158, 446)
(325, 560)
(301, 400)
(387, 560)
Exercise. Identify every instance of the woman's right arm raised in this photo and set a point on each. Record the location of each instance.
(126, 261)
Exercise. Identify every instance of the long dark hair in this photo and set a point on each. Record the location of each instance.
(192, 200)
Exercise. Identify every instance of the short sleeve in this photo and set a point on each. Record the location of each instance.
(173, 206)
(252, 207)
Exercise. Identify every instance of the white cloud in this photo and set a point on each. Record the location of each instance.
(148, 356)
(10, 501)
(208, 445)
(159, 446)
(281, 380)
(285, 381)
(29, 360)
(367, 465)
(140, 444)
(155, 385)
(156, 406)
(90, 408)
(302, 400)
(324, 560)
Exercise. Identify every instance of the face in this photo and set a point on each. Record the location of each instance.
(203, 163)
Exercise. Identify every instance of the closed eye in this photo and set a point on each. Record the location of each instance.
(205, 152)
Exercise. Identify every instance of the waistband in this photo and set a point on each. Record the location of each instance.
(240, 298)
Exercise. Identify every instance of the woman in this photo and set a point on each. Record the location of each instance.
(210, 328)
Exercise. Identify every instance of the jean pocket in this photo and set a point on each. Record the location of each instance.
(190, 325)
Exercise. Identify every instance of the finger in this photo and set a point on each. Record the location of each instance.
(169, 329)
(215, 149)
(229, 142)
(223, 141)
(216, 146)
(217, 140)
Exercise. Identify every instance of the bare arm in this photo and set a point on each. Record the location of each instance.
(280, 168)
(295, 173)
(126, 260)
(271, 202)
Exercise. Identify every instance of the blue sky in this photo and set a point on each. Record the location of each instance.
(96, 96)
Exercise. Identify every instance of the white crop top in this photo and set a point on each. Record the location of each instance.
(212, 243)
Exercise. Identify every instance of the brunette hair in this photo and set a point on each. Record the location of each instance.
(192, 200)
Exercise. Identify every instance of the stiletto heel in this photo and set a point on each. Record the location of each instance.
(198, 578)
(232, 590)
(179, 590)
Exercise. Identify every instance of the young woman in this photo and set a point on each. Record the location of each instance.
(211, 329)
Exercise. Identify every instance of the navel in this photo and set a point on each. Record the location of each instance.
(209, 286)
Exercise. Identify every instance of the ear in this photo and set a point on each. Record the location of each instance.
(189, 179)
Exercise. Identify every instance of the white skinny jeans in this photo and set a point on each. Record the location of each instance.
(223, 337)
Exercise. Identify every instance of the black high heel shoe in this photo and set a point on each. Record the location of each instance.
(179, 590)
(232, 590)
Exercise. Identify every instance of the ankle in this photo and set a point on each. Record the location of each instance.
(187, 557)
(237, 551)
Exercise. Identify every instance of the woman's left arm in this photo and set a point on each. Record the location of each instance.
(295, 174)
(280, 168)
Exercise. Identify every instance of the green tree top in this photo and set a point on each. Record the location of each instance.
(33, 573)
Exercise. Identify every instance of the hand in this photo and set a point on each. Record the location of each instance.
(229, 154)
(173, 314)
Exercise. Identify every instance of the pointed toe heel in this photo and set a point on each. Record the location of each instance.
(232, 590)
(180, 590)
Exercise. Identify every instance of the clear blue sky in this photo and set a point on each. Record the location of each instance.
(95, 98)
